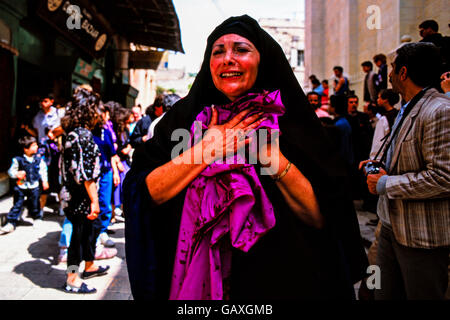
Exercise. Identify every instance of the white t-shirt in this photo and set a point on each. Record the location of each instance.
(41, 121)
(381, 130)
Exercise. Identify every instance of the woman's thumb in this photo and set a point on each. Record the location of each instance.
(214, 117)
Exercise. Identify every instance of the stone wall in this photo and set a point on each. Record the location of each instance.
(290, 35)
(314, 39)
(337, 33)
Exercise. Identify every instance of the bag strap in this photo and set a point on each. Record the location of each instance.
(408, 109)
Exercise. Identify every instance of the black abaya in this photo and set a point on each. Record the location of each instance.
(291, 261)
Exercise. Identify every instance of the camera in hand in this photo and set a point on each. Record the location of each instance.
(372, 167)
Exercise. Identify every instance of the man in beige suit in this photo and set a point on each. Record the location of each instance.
(414, 203)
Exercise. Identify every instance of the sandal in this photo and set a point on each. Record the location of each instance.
(99, 272)
(83, 289)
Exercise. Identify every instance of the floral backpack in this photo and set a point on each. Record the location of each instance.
(75, 171)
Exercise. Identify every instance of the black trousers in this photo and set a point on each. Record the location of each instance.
(83, 241)
(410, 273)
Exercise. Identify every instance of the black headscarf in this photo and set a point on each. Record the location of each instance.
(303, 141)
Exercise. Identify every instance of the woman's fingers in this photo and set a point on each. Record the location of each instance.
(255, 124)
(236, 131)
(248, 121)
(214, 117)
(241, 143)
(238, 118)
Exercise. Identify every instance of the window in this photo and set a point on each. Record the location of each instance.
(300, 58)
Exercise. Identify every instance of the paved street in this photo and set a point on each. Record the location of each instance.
(28, 257)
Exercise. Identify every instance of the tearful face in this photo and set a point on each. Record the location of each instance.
(234, 65)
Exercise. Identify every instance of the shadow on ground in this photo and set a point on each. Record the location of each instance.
(44, 252)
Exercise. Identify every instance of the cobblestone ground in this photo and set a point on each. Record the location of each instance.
(29, 269)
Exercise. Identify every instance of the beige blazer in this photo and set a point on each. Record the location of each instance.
(418, 183)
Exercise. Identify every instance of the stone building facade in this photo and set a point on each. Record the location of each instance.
(290, 34)
(348, 32)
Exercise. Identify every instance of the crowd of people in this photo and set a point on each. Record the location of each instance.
(213, 230)
(353, 130)
(361, 134)
(80, 154)
(409, 192)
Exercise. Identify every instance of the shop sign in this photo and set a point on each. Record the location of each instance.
(85, 69)
(78, 23)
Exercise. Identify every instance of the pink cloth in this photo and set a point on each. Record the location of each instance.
(225, 207)
(321, 113)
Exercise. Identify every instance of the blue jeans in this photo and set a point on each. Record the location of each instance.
(34, 208)
(66, 233)
(104, 199)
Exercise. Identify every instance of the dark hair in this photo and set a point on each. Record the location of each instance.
(104, 107)
(26, 141)
(164, 100)
(49, 95)
(380, 57)
(325, 81)
(313, 76)
(315, 81)
(159, 102)
(374, 108)
(82, 111)
(338, 68)
(422, 61)
(352, 95)
(119, 119)
(339, 103)
(389, 94)
(367, 64)
(312, 93)
(430, 24)
(112, 106)
(149, 110)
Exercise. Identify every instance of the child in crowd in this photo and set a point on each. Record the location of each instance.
(28, 169)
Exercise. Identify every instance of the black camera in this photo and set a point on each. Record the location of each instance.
(372, 167)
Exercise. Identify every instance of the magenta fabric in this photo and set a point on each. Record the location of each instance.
(109, 126)
(224, 207)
